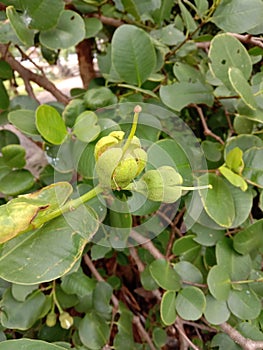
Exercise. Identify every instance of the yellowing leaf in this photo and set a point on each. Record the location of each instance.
(16, 217)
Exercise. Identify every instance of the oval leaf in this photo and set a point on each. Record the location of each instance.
(250, 238)
(50, 124)
(218, 201)
(242, 88)
(216, 311)
(28, 344)
(41, 255)
(179, 95)
(16, 182)
(164, 275)
(167, 308)
(86, 128)
(244, 304)
(238, 16)
(35, 10)
(226, 52)
(190, 303)
(69, 31)
(24, 120)
(219, 282)
(94, 331)
(19, 25)
(133, 54)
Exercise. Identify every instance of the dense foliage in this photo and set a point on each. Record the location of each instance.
(142, 228)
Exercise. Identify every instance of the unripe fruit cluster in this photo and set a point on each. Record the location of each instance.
(115, 167)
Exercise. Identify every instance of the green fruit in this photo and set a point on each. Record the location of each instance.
(51, 319)
(124, 173)
(66, 321)
(162, 185)
(114, 169)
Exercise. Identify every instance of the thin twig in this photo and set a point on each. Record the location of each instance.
(243, 38)
(145, 336)
(207, 131)
(28, 75)
(136, 320)
(136, 258)
(180, 329)
(245, 343)
(147, 244)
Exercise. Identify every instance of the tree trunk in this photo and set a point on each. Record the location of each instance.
(85, 58)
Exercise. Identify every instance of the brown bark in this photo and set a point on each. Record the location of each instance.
(85, 58)
(28, 76)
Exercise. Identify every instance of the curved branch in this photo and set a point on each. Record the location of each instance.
(245, 343)
(27, 75)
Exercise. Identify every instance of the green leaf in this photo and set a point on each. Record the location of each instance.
(92, 27)
(244, 142)
(188, 272)
(179, 95)
(28, 344)
(15, 217)
(42, 255)
(167, 307)
(223, 341)
(72, 110)
(238, 266)
(8, 137)
(120, 224)
(219, 282)
(19, 25)
(164, 275)
(70, 30)
(99, 97)
(147, 281)
(187, 18)
(234, 160)
(242, 87)
(244, 304)
(235, 179)
(190, 303)
(50, 124)
(77, 283)
(227, 52)
(35, 10)
(101, 299)
(243, 204)
(238, 16)
(94, 331)
(170, 152)
(168, 35)
(133, 54)
(243, 125)
(253, 170)
(164, 12)
(124, 337)
(24, 120)
(6, 72)
(186, 248)
(250, 238)
(86, 128)
(187, 73)
(16, 182)
(22, 315)
(14, 156)
(218, 201)
(216, 311)
(83, 156)
(20, 292)
(159, 337)
(4, 97)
